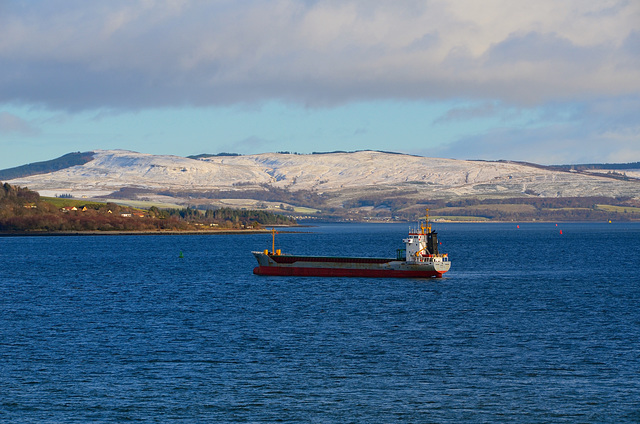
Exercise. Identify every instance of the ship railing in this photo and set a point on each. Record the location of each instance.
(432, 258)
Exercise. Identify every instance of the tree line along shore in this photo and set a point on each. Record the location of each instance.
(24, 210)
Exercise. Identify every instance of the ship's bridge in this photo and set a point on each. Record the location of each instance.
(415, 245)
(421, 243)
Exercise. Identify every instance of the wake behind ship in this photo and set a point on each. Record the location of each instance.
(419, 259)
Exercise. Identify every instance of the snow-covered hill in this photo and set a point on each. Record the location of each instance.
(343, 175)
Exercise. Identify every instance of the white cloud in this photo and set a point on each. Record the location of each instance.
(13, 124)
(479, 111)
(601, 131)
(131, 54)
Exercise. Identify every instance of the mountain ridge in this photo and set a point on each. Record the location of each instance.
(78, 158)
(44, 167)
(363, 180)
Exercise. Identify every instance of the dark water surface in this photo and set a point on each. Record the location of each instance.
(530, 325)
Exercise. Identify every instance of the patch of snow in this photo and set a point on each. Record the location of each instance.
(333, 172)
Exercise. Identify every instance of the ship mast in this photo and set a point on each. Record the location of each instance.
(426, 225)
(273, 240)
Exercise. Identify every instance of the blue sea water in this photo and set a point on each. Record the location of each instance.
(529, 326)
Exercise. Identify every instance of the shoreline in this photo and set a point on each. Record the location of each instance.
(281, 229)
(133, 233)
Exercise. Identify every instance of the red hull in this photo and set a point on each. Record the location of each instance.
(343, 272)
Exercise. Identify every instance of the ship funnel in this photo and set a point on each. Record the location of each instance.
(432, 242)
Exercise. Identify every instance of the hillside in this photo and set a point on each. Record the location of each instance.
(65, 161)
(365, 182)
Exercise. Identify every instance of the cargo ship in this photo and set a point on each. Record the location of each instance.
(420, 258)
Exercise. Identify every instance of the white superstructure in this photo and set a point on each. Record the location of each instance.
(422, 244)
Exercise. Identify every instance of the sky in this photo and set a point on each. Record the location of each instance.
(550, 82)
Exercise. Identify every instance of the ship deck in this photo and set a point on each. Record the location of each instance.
(289, 259)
